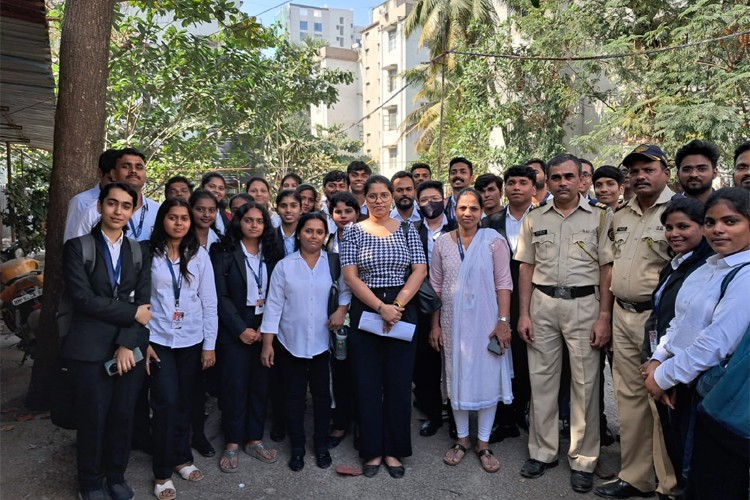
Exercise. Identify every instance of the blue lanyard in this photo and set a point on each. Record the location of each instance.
(137, 232)
(460, 246)
(176, 283)
(112, 271)
(258, 277)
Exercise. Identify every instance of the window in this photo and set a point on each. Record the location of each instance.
(318, 27)
(341, 20)
(392, 156)
(391, 41)
(392, 80)
(303, 25)
(341, 30)
(390, 120)
(303, 12)
(317, 13)
(341, 41)
(317, 35)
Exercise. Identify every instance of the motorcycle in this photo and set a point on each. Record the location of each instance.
(21, 288)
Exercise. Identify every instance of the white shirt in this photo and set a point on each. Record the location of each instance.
(252, 263)
(674, 263)
(513, 227)
(219, 225)
(704, 331)
(200, 322)
(115, 247)
(433, 235)
(414, 217)
(297, 305)
(275, 219)
(150, 207)
(78, 205)
(212, 238)
(288, 241)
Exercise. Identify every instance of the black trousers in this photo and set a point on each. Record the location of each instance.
(719, 465)
(104, 417)
(427, 372)
(383, 370)
(277, 399)
(343, 393)
(243, 393)
(509, 415)
(298, 374)
(172, 389)
(678, 427)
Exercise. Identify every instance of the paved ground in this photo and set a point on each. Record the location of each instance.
(37, 460)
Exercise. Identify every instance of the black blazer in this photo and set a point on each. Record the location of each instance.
(421, 228)
(231, 292)
(660, 318)
(329, 242)
(101, 323)
(496, 221)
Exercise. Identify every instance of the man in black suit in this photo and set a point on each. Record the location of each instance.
(519, 189)
(428, 368)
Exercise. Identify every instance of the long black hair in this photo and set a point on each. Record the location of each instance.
(188, 245)
(270, 245)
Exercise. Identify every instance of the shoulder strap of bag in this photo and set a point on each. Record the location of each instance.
(135, 249)
(728, 278)
(334, 267)
(88, 252)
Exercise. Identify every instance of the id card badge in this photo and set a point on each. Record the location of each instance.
(177, 318)
(260, 306)
(652, 340)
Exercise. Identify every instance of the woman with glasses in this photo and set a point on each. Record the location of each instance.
(375, 256)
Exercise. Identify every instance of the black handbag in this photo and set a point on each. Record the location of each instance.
(427, 298)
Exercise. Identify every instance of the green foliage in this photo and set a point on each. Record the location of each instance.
(668, 97)
(28, 196)
(229, 100)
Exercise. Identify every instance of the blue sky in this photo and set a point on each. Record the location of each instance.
(361, 8)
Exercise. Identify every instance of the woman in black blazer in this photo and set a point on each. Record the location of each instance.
(242, 271)
(683, 222)
(110, 308)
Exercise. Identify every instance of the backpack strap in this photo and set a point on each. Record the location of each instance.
(334, 267)
(135, 249)
(728, 278)
(88, 252)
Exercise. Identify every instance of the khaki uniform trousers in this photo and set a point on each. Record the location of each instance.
(642, 446)
(556, 321)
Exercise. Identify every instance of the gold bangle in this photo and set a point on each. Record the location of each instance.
(398, 303)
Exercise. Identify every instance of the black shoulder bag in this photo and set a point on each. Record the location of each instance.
(427, 299)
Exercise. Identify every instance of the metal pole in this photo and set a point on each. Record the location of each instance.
(8, 164)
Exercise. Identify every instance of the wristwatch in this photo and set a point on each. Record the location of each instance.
(502, 319)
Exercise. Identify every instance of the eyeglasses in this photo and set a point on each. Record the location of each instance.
(741, 167)
(687, 169)
(586, 175)
(373, 197)
(203, 210)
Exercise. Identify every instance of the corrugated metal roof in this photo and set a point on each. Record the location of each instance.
(27, 88)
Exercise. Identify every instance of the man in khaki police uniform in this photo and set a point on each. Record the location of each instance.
(564, 296)
(640, 251)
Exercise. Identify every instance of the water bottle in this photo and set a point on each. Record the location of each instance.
(339, 348)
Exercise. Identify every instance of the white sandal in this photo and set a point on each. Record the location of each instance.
(160, 489)
(187, 471)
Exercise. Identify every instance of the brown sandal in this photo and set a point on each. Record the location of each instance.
(487, 454)
(453, 452)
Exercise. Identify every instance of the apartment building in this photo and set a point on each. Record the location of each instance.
(384, 54)
(335, 26)
(347, 112)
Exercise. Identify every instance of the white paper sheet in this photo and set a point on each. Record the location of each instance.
(373, 323)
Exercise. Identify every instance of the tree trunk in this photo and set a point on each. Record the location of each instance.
(78, 141)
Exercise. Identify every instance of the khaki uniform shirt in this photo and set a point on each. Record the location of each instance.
(566, 251)
(640, 249)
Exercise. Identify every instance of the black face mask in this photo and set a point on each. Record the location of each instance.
(432, 209)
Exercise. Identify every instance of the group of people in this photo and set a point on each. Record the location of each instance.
(382, 294)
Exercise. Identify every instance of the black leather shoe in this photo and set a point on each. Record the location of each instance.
(121, 491)
(323, 459)
(100, 494)
(430, 427)
(203, 447)
(396, 471)
(504, 431)
(277, 435)
(534, 468)
(370, 470)
(620, 489)
(297, 462)
(581, 482)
